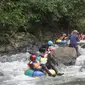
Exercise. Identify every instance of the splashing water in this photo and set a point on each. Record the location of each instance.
(12, 72)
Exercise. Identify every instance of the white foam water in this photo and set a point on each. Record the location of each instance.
(13, 72)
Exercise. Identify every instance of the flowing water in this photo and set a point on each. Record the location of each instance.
(12, 72)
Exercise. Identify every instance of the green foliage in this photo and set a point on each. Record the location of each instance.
(40, 15)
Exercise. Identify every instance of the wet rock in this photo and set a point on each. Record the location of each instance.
(65, 55)
(21, 43)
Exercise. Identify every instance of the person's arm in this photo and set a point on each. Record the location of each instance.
(69, 37)
(77, 39)
(31, 65)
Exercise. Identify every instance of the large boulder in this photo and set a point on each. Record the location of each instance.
(64, 55)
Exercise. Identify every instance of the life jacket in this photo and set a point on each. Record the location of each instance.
(45, 54)
(51, 49)
(34, 65)
(43, 60)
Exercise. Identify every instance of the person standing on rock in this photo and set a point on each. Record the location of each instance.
(73, 40)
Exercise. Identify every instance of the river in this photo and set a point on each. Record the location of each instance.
(12, 72)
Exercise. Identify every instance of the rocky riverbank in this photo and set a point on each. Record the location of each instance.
(22, 42)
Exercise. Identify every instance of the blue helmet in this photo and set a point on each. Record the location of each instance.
(50, 43)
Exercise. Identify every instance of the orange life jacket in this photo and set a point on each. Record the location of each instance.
(32, 64)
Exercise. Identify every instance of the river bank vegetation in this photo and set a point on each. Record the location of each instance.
(40, 16)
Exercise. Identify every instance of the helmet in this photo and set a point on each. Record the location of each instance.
(50, 43)
(33, 57)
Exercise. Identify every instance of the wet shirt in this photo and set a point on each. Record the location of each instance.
(73, 39)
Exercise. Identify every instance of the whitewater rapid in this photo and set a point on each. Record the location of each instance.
(12, 71)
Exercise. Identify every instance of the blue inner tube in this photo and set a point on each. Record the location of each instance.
(32, 73)
(64, 41)
(38, 73)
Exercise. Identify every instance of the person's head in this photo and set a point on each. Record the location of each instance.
(75, 32)
(42, 50)
(50, 43)
(64, 34)
(33, 57)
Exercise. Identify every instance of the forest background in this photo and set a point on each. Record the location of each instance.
(39, 17)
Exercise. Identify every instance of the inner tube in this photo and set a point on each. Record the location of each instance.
(33, 73)
(29, 72)
(62, 42)
(38, 73)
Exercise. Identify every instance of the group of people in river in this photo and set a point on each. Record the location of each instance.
(42, 64)
(73, 39)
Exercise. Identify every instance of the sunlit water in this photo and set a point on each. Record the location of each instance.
(12, 72)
